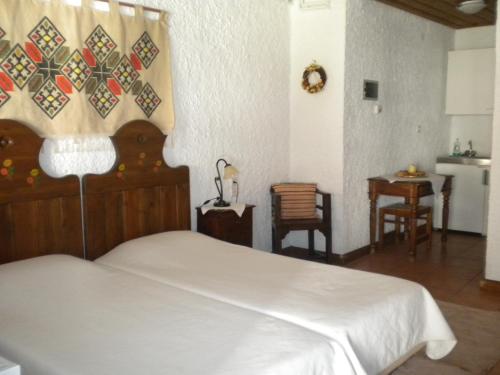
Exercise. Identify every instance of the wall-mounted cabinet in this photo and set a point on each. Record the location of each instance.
(471, 82)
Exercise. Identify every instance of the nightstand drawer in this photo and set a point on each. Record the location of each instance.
(226, 225)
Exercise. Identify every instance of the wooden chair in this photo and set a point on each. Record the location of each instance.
(401, 210)
(282, 226)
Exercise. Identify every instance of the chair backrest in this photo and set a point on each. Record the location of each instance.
(298, 200)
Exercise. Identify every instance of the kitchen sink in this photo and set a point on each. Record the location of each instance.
(478, 160)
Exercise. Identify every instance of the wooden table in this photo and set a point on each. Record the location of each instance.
(411, 191)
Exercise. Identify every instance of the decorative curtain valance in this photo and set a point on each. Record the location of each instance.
(71, 70)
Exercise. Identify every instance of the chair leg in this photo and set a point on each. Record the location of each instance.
(381, 229)
(328, 245)
(413, 237)
(397, 227)
(310, 237)
(429, 230)
(276, 241)
(273, 239)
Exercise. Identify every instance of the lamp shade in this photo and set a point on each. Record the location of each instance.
(471, 6)
(230, 172)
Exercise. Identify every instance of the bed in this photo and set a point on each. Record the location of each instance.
(378, 319)
(67, 316)
(136, 221)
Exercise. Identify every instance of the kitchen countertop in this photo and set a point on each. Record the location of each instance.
(478, 160)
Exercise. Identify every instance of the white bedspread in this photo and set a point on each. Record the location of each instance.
(64, 316)
(377, 319)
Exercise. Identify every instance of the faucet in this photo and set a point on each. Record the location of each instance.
(470, 153)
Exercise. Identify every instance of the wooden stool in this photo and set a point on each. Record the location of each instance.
(401, 210)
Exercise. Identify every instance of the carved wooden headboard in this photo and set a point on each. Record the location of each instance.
(39, 214)
(140, 195)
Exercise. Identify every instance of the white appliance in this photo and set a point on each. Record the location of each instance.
(468, 201)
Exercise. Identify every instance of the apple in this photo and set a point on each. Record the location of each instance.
(412, 169)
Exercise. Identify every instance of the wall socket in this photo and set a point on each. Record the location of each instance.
(419, 129)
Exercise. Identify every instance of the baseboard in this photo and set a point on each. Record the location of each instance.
(338, 259)
(358, 253)
(351, 255)
(342, 259)
(453, 231)
(490, 285)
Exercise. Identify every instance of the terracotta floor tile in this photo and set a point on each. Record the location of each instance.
(440, 294)
(450, 273)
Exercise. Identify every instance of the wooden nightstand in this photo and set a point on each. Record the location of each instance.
(226, 225)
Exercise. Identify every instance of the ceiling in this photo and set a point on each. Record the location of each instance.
(446, 13)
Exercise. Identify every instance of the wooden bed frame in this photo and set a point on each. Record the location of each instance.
(42, 215)
(39, 214)
(140, 195)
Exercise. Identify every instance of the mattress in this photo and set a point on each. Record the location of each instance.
(60, 315)
(376, 319)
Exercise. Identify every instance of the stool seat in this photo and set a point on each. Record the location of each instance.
(403, 210)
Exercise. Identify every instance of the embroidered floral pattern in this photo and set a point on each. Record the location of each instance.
(44, 62)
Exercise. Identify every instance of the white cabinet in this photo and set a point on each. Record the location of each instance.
(468, 198)
(471, 81)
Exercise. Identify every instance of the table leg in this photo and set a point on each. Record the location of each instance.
(446, 213)
(406, 233)
(413, 228)
(373, 222)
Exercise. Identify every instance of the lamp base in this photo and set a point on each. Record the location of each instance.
(222, 203)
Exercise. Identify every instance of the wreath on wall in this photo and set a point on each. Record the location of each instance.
(313, 88)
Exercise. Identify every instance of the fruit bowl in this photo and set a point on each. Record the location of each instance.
(407, 174)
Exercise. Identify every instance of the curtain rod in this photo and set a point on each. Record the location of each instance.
(123, 4)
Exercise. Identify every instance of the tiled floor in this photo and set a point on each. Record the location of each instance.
(451, 274)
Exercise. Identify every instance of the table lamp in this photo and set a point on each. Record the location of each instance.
(229, 173)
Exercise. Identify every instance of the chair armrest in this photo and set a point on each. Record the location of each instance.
(326, 206)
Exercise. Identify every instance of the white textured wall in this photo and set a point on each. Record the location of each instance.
(475, 37)
(408, 56)
(475, 127)
(316, 120)
(230, 64)
(492, 271)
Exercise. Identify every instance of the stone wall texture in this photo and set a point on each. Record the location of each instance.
(230, 68)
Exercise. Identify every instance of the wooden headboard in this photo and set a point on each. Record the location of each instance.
(39, 214)
(140, 195)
